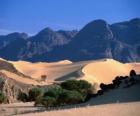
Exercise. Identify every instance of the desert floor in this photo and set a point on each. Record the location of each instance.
(115, 109)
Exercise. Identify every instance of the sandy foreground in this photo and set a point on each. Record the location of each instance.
(117, 102)
(123, 109)
(115, 109)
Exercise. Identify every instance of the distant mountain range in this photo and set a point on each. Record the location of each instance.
(98, 39)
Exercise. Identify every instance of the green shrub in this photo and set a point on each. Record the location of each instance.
(81, 86)
(53, 91)
(48, 101)
(3, 98)
(75, 85)
(35, 93)
(70, 85)
(45, 101)
(132, 73)
(68, 92)
(23, 97)
(70, 97)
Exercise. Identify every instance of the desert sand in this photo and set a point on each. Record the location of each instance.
(95, 71)
(104, 70)
(122, 109)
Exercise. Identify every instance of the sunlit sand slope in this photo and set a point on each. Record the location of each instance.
(104, 70)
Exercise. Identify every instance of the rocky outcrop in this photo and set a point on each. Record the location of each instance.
(11, 88)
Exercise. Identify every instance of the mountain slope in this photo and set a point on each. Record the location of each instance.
(101, 40)
(97, 39)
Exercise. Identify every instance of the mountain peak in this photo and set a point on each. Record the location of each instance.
(46, 30)
(97, 29)
(18, 35)
(135, 21)
(98, 23)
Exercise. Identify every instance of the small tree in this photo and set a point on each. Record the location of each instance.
(81, 86)
(35, 93)
(46, 101)
(116, 82)
(133, 77)
(23, 97)
(104, 87)
(70, 97)
(70, 85)
(132, 73)
(43, 77)
(53, 91)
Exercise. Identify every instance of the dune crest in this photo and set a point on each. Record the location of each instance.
(105, 71)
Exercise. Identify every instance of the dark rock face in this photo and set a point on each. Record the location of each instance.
(98, 39)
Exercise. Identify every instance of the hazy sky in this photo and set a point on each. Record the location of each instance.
(33, 15)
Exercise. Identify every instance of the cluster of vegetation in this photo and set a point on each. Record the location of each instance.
(71, 91)
(3, 98)
(68, 92)
(128, 80)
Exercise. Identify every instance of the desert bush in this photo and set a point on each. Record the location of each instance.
(70, 85)
(100, 92)
(84, 84)
(23, 97)
(123, 77)
(3, 98)
(68, 92)
(117, 81)
(104, 87)
(46, 101)
(111, 86)
(70, 97)
(81, 86)
(35, 93)
(43, 77)
(53, 91)
(132, 73)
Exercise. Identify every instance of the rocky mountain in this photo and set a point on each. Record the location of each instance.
(45, 41)
(6, 40)
(17, 46)
(98, 39)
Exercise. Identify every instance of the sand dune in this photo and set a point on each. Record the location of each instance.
(95, 71)
(104, 70)
(98, 71)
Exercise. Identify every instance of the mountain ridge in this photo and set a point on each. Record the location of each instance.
(97, 39)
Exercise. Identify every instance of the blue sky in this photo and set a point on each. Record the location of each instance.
(31, 16)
